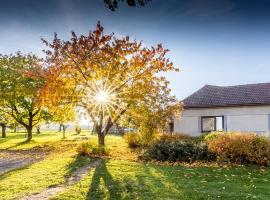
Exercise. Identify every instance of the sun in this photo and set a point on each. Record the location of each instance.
(102, 97)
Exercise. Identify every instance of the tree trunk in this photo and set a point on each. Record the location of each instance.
(64, 131)
(60, 127)
(15, 128)
(38, 129)
(171, 128)
(3, 130)
(101, 139)
(29, 133)
(102, 133)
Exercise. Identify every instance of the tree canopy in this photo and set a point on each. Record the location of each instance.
(20, 86)
(63, 115)
(106, 75)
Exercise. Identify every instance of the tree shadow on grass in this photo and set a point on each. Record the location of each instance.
(18, 144)
(11, 137)
(103, 185)
(78, 162)
(140, 186)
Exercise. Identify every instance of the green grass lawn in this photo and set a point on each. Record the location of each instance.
(121, 177)
(116, 179)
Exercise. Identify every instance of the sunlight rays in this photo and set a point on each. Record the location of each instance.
(103, 99)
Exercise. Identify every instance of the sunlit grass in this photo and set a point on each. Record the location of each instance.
(15, 141)
(121, 178)
(129, 180)
(37, 177)
(118, 149)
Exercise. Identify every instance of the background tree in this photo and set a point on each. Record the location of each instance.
(20, 84)
(105, 75)
(151, 116)
(46, 117)
(63, 115)
(5, 120)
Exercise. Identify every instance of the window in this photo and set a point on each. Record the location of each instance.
(212, 123)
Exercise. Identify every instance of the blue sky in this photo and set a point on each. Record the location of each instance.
(219, 42)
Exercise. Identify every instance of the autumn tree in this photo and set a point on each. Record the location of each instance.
(20, 84)
(63, 115)
(106, 75)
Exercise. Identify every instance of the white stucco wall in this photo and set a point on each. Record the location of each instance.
(245, 119)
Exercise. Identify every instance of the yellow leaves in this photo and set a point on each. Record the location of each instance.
(76, 64)
(63, 113)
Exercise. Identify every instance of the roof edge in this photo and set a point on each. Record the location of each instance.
(224, 106)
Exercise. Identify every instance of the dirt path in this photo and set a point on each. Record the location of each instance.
(73, 179)
(11, 160)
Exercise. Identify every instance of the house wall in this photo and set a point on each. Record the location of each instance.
(245, 119)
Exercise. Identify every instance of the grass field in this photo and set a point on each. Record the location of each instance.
(120, 176)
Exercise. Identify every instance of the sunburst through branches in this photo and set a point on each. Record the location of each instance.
(103, 99)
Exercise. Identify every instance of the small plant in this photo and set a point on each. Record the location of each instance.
(90, 149)
(84, 148)
(132, 139)
(78, 130)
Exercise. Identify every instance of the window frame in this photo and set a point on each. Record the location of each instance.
(215, 124)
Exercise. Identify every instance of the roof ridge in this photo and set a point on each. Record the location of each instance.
(249, 84)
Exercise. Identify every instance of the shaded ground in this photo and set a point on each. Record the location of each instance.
(11, 160)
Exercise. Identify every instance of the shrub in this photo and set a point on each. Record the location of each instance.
(173, 137)
(176, 137)
(212, 135)
(78, 130)
(241, 148)
(140, 138)
(182, 151)
(87, 148)
(147, 136)
(132, 139)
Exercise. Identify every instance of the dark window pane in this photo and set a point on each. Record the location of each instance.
(208, 124)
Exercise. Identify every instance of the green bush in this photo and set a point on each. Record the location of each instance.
(180, 151)
(89, 149)
(241, 148)
(212, 135)
(132, 139)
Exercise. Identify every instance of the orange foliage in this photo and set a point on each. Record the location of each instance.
(241, 148)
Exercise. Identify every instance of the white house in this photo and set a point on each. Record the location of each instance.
(244, 108)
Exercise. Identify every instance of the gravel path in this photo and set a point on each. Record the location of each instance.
(11, 160)
(73, 179)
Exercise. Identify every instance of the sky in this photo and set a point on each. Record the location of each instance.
(217, 42)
